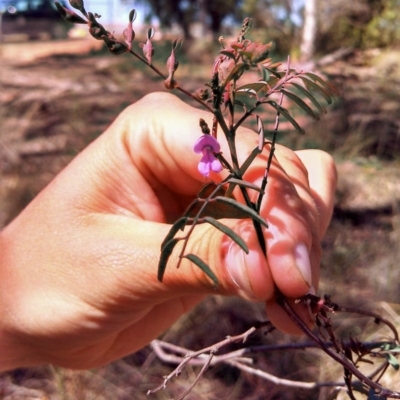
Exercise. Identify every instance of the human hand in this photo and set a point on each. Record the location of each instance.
(78, 266)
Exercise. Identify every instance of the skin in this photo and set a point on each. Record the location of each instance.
(78, 266)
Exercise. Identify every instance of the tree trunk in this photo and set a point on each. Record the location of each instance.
(307, 47)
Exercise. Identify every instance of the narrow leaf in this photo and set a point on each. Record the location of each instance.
(177, 226)
(301, 103)
(310, 85)
(208, 188)
(256, 87)
(264, 73)
(325, 84)
(229, 232)
(164, 257)
(249, 212)
(245, 184)
(245, 99)
(308, 94)
(286, 114)
(276, 74)
(249, 160)
(392, 361)
(203, 266)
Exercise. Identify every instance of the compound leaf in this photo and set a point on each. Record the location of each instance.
(301, 103)
(309, 95)
(311, 85)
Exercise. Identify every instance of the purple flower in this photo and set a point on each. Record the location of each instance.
(208, 145)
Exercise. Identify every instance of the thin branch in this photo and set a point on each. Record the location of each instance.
(201, 353)
(339, 357)
(236, 359)
(280, 381)
(198, 377)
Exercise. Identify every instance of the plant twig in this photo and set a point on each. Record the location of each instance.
(201, 353)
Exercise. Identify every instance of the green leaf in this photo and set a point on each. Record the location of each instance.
(277, 74)
(253, 87)
(322, 82)
(307, 94)
(177, 226)
(392, 360)
(215, 210)
(265, 74)
(229, 232)
(301, 103)
(245, 184)
(273, 80)
(310, 85)
(164, 257)
(245, 210)
(286, 114)
(249, 160)
(203, 266)
(207, 189)
(245, 99)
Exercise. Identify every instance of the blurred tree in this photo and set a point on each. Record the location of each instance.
(384, 29)
(322, 26)
(218, 10)
(275, 20)
(345, 23)
(211, 13)
(307, 47)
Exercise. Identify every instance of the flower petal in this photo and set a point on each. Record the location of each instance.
(209, 162)
(216, 165)
(204, 168)
(206, 141)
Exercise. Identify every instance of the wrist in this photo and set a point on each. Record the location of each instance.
(15, 351)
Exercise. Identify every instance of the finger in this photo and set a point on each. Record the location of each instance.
(317, 191)
(322, 177)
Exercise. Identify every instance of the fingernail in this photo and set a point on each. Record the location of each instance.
(312, 290)
(237, 270)
(302, 260)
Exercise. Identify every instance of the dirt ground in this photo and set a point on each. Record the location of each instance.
(56, 97)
